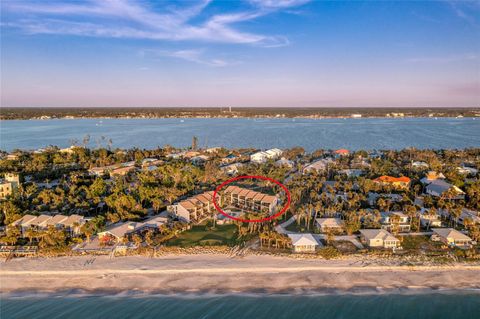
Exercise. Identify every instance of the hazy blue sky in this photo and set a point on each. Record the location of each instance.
(250, 53)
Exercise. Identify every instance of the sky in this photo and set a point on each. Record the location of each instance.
(253, 53)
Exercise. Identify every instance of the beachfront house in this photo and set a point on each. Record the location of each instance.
(303, 243)
(122, 232)
(451, 237)
(391, 221)
(335, 225)
(23, 223)
(195, 208)
(379, 238)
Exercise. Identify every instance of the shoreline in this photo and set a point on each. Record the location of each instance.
(241, 117)
(218, 275)
(83, 293)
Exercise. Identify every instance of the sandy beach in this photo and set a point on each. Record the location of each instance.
(220, 273)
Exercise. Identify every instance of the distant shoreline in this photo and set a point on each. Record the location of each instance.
(219, 274)
(10, 113)
(234, 118)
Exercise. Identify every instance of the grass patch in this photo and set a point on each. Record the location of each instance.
(200, 235)
(414, 242)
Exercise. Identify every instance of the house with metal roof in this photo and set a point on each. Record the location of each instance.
(451, 237)
(304, 243)
(379, 238)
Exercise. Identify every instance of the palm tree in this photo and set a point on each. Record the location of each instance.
(30, 233)
(455, 213)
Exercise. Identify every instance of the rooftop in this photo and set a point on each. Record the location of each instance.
(450, 233)
(378, 234)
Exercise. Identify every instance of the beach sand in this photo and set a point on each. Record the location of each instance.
(213, 273)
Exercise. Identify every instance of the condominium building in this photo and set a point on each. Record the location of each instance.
(71, 223)
(249, 200)
(193, 208)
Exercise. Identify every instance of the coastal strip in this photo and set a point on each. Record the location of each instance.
(222, 274)
(321, 268)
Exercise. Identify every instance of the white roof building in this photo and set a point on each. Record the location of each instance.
(284, 162)
(120, 230)
(70, 223)
(326, 224)
(303, 242)
(465, 170)
(262, 157)
(419, 165)
(24, 221)
(320, 165)
(231, 169)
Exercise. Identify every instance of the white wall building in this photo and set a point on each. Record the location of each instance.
(262, 157)
(303, 243)
(379, 238)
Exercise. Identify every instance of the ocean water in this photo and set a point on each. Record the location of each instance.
(383, 306)
(353, 134)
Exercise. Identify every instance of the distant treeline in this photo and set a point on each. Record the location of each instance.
(10, 113)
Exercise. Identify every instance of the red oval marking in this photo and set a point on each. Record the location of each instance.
(281, 212)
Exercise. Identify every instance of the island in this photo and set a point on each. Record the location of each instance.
(170, 220)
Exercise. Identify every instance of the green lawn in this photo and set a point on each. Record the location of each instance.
(200, 236)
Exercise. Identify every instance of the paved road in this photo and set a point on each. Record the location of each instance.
(280, 228)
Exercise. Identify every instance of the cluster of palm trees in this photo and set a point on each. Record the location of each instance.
(274, 239)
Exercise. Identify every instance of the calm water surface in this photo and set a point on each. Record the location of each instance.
(459, 305)
(311, 134)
